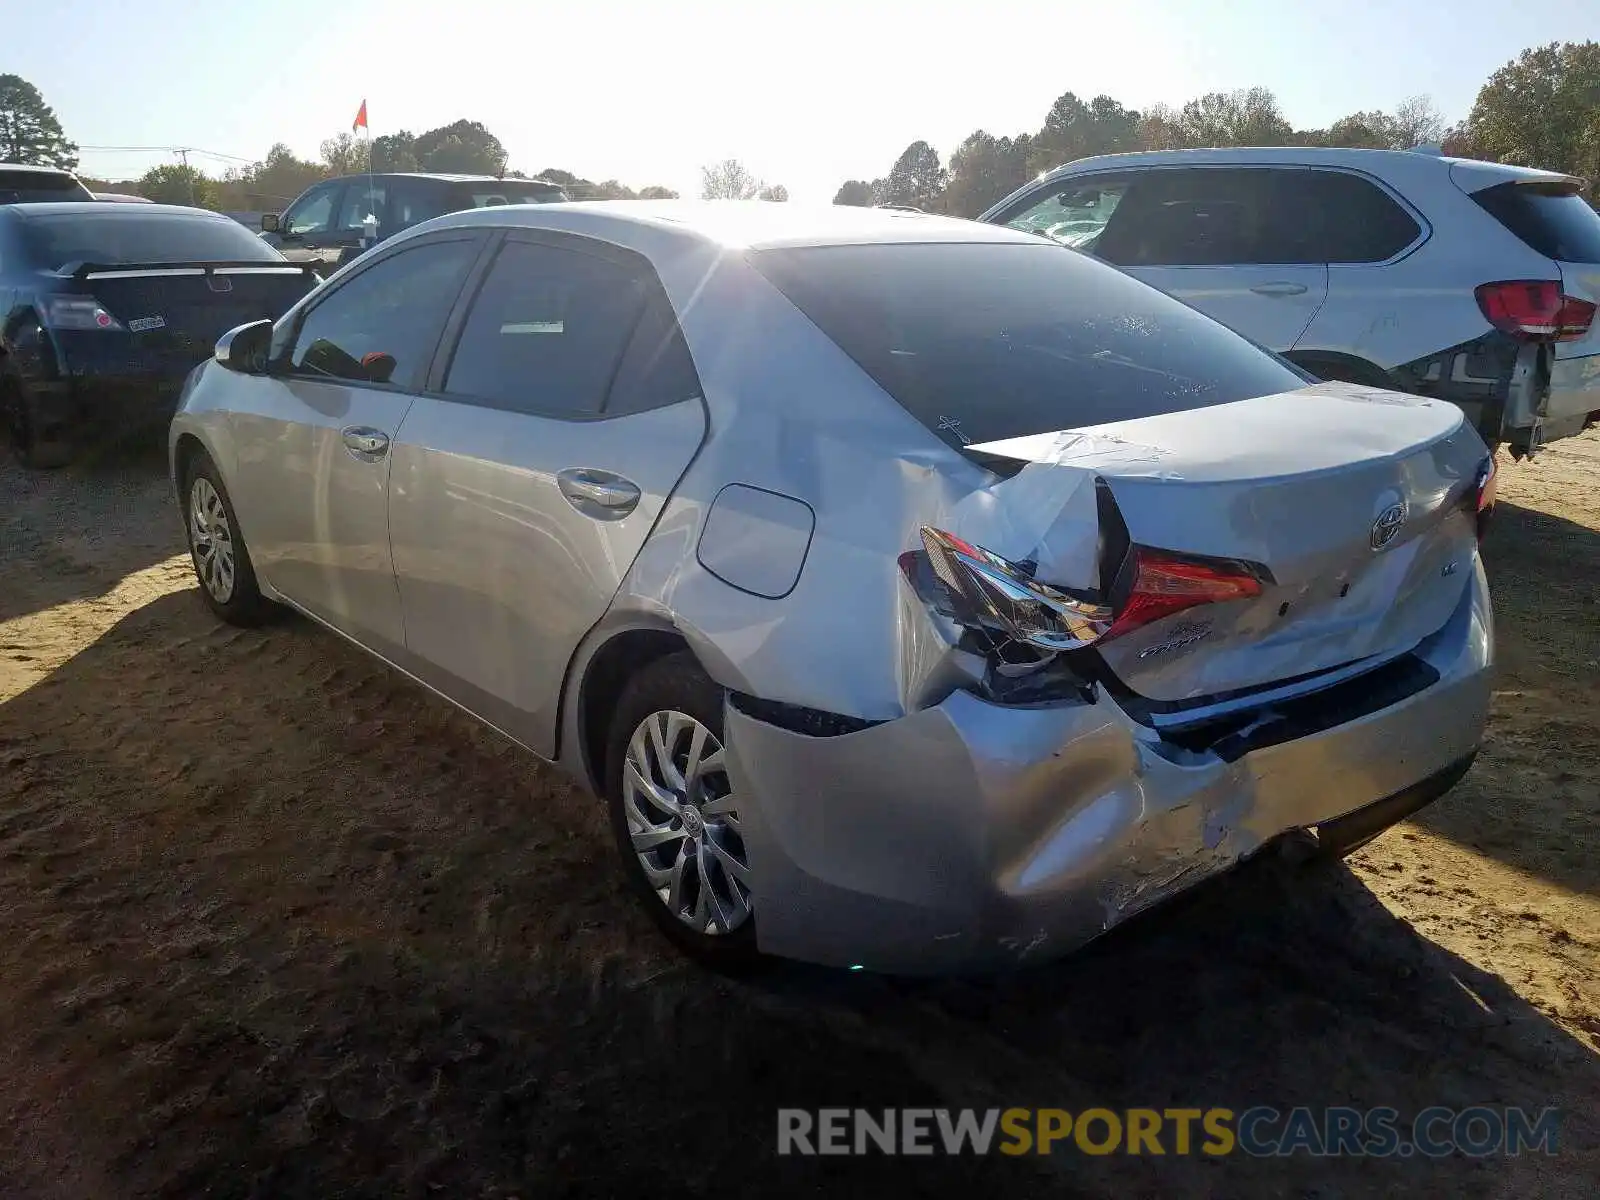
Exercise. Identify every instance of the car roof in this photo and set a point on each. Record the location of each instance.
(447, 178)
(112, 211)
(749, 224)
(1373, 161)
(35, 168)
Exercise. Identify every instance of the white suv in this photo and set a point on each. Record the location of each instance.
(1470, 281)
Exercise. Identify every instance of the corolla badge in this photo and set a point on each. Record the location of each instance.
(1387, 526)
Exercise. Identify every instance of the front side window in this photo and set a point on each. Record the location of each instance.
(1072, 213)
(547, 330)
(1210, 216)
(381, 325)
(312, 214)
(986, 341)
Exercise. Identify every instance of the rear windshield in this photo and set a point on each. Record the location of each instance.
(1555, 221)
(983, 341)
(40, 187)
(123, 234)
(507, 191)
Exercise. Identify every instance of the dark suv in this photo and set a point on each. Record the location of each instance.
(21, 183)
(325, 223)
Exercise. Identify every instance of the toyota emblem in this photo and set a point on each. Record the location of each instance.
(1387, 526)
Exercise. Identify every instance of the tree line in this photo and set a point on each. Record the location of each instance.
(31, 133)
(1542, 109)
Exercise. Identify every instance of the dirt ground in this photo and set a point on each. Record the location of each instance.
(276, 923)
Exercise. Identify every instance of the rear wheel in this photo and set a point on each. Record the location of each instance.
(25, 432)
(674, 817)
(221, 559)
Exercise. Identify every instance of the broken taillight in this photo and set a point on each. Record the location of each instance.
(1535, 310)
(982, 590)
(1164, 584)
(1483, 494)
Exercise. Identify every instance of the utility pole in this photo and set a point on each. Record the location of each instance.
(188, 175)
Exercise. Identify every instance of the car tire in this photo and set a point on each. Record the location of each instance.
(217, 549)
(673, 855)
(19, 416)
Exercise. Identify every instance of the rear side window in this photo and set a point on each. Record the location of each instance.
(547, 331)
(381, 325)
(40, 187)
(506, 191)
(1215, 216)
(1554, 221)
(1350, 219)
(983, 341)
(119, 233)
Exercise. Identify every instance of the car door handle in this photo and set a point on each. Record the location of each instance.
(369, 445)
(599, 494)
(1279, 289)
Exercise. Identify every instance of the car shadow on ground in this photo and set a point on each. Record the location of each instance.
(281, 923)
(1532, 801)
(74, 533)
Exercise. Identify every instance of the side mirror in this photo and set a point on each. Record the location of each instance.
(269, 223)
(246, 348)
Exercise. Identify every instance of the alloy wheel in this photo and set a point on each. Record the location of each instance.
(211, 539)
(684, 822)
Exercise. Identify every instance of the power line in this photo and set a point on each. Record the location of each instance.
(165, 150)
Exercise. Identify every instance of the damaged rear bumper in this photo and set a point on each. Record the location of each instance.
(971, 836)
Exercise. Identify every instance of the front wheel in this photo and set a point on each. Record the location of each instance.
(221, 559)
(674, 816)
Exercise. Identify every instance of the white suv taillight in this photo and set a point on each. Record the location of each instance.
(1535, 310)
(77, 312)
(1483, 494)
(982, 591)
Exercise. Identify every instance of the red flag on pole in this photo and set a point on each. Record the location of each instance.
(361, 118)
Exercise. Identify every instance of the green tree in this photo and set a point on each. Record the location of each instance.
(395, 152)
(1543, 110)
(177, 184)
(775, 192)
(1247, 117)
(29, 131)
(272, 183)
(854, 192)
(656, 192)
(916, 179)
(463, 146)
(345, 154)
(610, 189)
(1073, 129)
(985, 169)
(729, 179)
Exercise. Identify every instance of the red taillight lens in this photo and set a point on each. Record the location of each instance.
(1164, 584)
(1573, 319)
(78, 312)
(1535, 309)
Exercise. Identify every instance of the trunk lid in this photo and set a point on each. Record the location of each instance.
(174, 313)
(1307, 485)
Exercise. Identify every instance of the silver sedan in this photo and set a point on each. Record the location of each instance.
(919, 594)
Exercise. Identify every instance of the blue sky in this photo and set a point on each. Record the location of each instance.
(807, 92)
